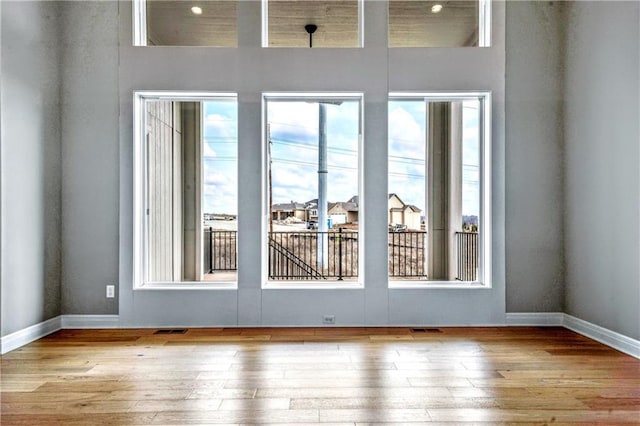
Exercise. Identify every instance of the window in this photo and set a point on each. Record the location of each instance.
(312, 23)
(186, 196)
(312, 148)
(438, 173)
(185, 23)
(435, 23)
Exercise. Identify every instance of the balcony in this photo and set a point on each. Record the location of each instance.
(333, 255)
(467, 256)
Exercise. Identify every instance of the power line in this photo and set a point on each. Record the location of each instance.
(420, 141)
(221, 158)
(412, 175)
(294, 125)
(308, 163)
(407, 158)
(282, 141)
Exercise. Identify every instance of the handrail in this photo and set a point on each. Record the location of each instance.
(297, 261)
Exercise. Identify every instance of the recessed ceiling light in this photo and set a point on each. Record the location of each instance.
(196, 10)
(436, 8)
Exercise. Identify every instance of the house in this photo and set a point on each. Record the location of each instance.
(404, 214)
(283, 211)
(311, 207)
(560, 82)
(343, 212)
(399, 212)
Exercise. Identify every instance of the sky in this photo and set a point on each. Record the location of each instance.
(220, 156)
(294, 152)
(407, 153)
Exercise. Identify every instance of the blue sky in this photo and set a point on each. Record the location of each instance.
(294, 152)
(407, 153)
(220, 157)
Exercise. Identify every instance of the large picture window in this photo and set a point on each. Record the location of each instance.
(438, 172)
(186, 170)
(312, 147)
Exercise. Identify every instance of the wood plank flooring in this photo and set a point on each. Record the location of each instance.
(318, 375)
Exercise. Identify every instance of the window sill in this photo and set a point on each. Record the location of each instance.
(433, 285)
(307, 285)
(188, 285)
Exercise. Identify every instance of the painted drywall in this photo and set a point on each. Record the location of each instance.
(30, 164)
(602, 194)
(534, 152)
(250, 70)
(1, 178)
(89, 91)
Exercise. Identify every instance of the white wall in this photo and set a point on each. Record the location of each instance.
(30, 171)
(89, 91)
(598, 232)
(602, 194)
(534, 157)
(250, 70)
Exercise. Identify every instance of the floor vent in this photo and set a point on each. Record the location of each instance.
(171, 331)
(426, 330)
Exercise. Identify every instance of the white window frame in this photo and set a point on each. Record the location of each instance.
(140, 184)
(265, 24)
(311, 284)
(484, 23)
(139, 22)
(484, 280)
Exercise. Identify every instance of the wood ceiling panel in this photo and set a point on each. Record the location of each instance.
(337, 23)
(413, 24)
(171, 23)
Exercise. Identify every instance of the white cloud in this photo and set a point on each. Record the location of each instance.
(209, 152)
(300, 118)
(220, 126)
(406, 134)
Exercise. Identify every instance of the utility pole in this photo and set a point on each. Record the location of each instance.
(323, 238)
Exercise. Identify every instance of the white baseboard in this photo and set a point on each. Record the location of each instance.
(90, 321)
(541, 319)
(603, 335)
(533, 319)
(30, 334)
(600, 334)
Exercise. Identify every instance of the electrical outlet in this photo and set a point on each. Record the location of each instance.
(328, 319)
(111, 291)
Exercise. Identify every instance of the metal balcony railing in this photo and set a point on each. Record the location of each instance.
(295, 255)
(220, 250)
(467, 255)
(407, 254)
(298, 255)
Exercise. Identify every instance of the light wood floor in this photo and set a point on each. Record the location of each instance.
(310, 375)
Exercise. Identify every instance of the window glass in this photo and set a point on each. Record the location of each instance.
(427, 23)
(190, 207)
(335, 23)
(434, 189)
(190, 23)
(313, 189)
